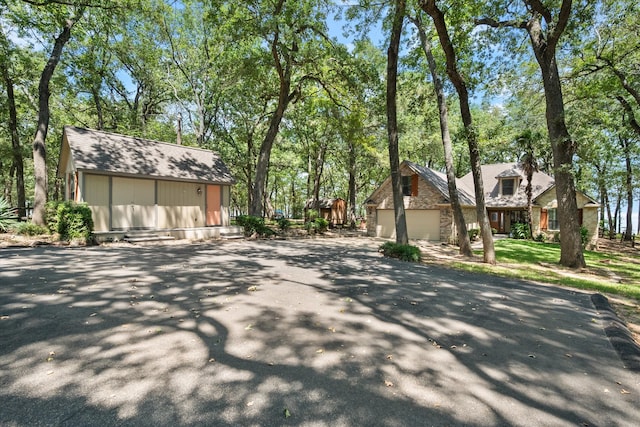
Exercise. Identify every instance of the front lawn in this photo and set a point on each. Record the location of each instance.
(609, 272)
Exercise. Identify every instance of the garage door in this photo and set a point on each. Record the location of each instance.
(422, 224)
(133, 203)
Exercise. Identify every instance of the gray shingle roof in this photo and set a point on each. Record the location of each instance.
(323, 203)
(103, 152)
(439, 181)
(510, 173)
(491, 175)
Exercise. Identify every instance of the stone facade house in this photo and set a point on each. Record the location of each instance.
(428, 206)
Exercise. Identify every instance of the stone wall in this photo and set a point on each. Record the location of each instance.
(428, 198)
(590, 222)
(589, 216)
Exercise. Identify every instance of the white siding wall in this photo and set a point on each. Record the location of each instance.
(96, 194)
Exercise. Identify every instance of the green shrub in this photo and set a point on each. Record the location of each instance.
(541, 237)
(30, 229)
(494, 230)
(253, 225)
(403, 252)
(8, 215)
(284, 224)
(312, 214)
(584, 235)
(318, 225)
(71, 220)
(556, 237)
(473, 233)
(51, 216)
(520, 230)
(309, 226)
(322, 225)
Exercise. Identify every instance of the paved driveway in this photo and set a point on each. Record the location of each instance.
(315, 332)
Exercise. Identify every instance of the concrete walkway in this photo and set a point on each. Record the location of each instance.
(311, 332)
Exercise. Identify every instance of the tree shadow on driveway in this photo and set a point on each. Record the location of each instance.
(315, 332)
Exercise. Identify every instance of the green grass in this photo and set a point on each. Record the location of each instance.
(522, 259)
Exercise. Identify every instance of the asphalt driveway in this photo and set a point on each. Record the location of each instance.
(310, 332)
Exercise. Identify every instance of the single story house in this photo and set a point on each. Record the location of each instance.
(136, 184)
(430, 216)
(333, 210)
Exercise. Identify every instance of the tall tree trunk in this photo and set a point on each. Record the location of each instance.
(249, 166)
(430, 7)
(284, 98)
(544, 38)
(564, 149)
(602, 190)
(18, 161)
(352, 184)
(626, 149)
(633, 123)
(562, 145)
(8, 184)
(39, 141)
(529, 191)
(638, 230)
(610, 218)
(318, 168)
(402, 235)
(458, 216)
(616, 215)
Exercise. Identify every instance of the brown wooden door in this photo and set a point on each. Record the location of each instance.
(496, 219)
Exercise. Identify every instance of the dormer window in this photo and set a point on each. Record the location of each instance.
(509, 181)
(508, 186)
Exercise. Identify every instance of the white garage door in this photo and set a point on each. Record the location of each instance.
(133, 203)
(422, 224)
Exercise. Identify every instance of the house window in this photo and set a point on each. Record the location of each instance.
(71, 186)
(406, 185)
(508, 186)
(553, 219)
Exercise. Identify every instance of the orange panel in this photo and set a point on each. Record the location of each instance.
(213, 205)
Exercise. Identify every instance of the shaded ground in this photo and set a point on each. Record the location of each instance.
(628, 309)
(325, 331)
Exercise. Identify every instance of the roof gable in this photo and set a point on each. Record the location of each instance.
(110, 153)
(439, 181)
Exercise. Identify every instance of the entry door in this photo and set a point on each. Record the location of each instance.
(214, 198)
(496, 218)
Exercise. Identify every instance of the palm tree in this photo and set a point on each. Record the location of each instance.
(529, 164)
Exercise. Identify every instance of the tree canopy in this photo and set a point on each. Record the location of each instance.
(294, 95)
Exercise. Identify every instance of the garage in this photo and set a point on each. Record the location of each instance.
(422, 224)
(136, 184)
